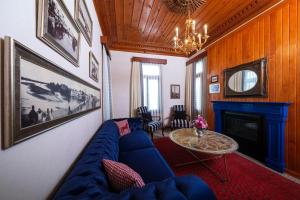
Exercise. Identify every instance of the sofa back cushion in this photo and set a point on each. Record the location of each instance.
(88, 177)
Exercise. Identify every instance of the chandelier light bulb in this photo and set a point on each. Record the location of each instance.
(205, 29)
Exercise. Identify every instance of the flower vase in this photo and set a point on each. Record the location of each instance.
(199, 132)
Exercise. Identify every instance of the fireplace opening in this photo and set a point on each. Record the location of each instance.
(249, 132)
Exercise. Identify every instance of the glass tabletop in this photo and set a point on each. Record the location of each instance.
(210, 143)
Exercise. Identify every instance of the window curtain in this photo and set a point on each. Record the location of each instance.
(204, 88)
(200, 88)
(135, 88)
(106, 87)
(151, 88)
(189, 89)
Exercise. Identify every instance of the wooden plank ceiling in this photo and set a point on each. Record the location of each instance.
(148, 26)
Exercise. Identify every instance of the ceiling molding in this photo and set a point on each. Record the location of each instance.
(144, 48)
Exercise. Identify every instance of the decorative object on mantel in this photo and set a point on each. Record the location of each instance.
(248, 79)
(192, 40)
(58, 30)
(214, 88)
(175, 91)
(200, 125)
(214, 79)
(40, 95)
(275, 116)
(183, 6)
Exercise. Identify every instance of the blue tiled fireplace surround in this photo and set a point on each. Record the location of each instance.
(275, 115)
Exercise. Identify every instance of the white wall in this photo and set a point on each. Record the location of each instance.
(31, 169)
(172, 73)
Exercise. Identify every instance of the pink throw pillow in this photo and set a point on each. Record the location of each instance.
(123, 127)
(121, 176)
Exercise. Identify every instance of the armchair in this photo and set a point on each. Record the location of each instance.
(179, 117)
(149, 124)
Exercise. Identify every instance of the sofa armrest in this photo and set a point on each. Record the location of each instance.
(185, 187)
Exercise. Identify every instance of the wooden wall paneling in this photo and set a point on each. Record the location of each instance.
(297, 135)
(290, 147)
(276, 35)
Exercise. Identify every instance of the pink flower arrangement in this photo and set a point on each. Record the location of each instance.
(200, 123)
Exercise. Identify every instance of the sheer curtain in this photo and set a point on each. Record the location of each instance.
(200, 88)
(151, 88)
(106, 86)
(189, 89)
(135, 88)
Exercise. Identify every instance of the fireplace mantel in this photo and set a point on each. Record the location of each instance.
(275, 114)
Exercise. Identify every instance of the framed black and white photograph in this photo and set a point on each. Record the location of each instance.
(214, 79)
(84, 20)
(175, 91)
(214, 88)
(94, 67)
(40, 95)
(57, 29)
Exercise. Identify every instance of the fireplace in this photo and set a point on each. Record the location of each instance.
(249, 132)
(255, 123)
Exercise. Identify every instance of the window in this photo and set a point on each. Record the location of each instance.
(151, 87)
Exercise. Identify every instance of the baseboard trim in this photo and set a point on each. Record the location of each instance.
(293, 173)
(67, 173)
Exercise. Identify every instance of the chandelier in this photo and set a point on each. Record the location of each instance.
(192, 40)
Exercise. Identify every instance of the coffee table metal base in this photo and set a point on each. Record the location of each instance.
(198, 160)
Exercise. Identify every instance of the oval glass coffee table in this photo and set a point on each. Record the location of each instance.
(214, 144)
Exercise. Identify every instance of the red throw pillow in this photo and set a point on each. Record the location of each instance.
(123, 127)
(121, 176)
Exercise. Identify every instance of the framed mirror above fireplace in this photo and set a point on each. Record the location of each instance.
(246, 80)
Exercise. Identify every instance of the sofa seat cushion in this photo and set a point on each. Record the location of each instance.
(148, 163)
(135, 140)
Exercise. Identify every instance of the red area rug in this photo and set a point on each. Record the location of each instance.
(247, 180)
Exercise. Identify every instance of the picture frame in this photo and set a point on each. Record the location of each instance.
(214, 88)
(214, 79)
(40, 95)
(83, 20)
(175, 91)
(93, 67)
(58, 30)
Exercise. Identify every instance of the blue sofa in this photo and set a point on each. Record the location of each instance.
(88, 179)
